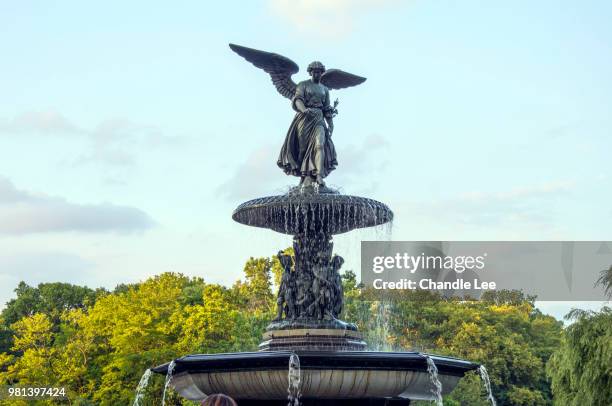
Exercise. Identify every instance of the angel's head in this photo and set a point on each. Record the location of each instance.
(315, 70)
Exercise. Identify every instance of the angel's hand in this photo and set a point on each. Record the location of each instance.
(311, 112)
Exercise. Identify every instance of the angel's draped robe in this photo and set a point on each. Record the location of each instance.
(308, 135)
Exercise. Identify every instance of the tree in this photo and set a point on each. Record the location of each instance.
(134, 331)
(581, 369)
(605, 280)
(99, 347)
(255, 292)
(33, 340)
(48, 298)
(504, 332)
(51, 299)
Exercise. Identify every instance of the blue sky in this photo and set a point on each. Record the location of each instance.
(129, 131)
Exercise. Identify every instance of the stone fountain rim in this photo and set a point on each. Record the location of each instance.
(277, 200)
(317, 360)
(383, 213)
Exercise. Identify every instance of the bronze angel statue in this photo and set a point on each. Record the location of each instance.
(308, 151)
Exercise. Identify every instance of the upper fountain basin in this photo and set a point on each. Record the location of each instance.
(302, 213)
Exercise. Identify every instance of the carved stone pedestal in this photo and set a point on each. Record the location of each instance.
(312, 340)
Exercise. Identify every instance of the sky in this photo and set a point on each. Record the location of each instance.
(129, 131)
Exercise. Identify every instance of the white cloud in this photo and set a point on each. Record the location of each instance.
(23, 212)
(360, 166)
(111, 142)
(528, 192)
(259, 175)
(324, 17)
(256, 176)
(530, 206)
(44, 122)
(356, 160)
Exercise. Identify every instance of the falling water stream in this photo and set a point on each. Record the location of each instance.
(142, 385)
(168, 379)
(379, 341)
(436, 390)
(484, 375)
(294, 377)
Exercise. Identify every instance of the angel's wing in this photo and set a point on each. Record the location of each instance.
(338, 79)
(279, 67)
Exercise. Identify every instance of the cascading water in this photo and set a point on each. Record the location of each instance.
(484, 375)
(436, 390)
(294, 377)
(168, 379)
(142, 385)
(379, 340)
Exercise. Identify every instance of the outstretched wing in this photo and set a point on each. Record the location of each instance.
(279, 67)
(339, 79)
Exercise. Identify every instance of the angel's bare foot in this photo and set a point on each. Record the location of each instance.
(320, 181)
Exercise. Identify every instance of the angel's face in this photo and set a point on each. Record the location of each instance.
(316, 75)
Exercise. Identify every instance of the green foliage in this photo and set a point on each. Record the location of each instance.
(581, 369)
(98, 343)
(503, 331)
(48, 298)
(256, 291)
(605, 280)
(521, 396)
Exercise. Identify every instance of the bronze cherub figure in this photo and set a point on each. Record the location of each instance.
(308, 151)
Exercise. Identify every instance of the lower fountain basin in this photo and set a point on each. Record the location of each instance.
(253, 376)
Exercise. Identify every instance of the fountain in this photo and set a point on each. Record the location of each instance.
(307, 351)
